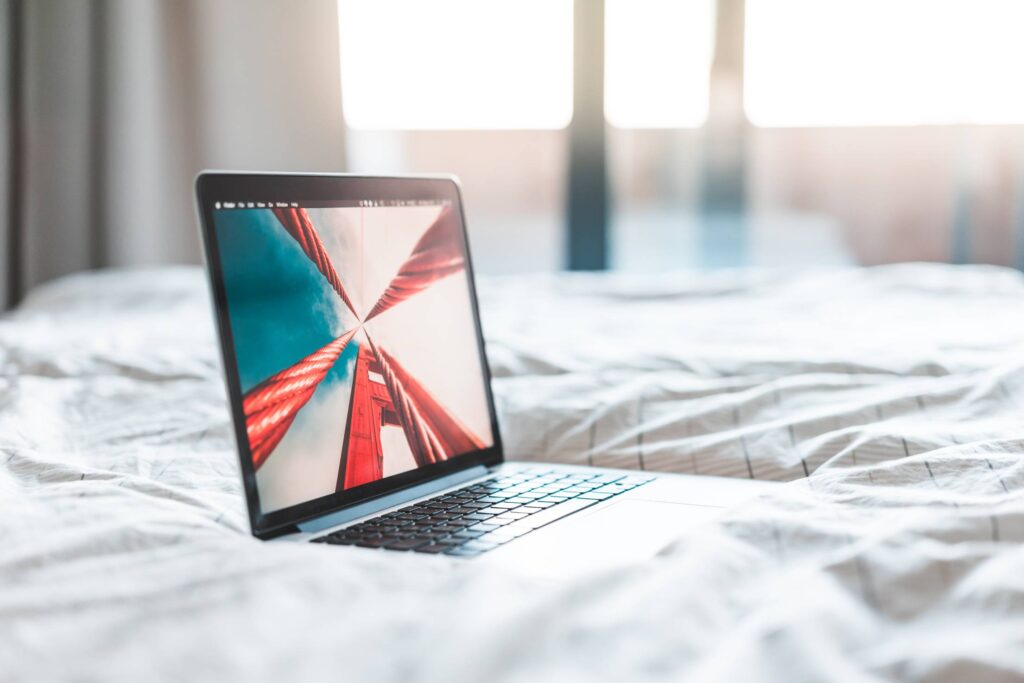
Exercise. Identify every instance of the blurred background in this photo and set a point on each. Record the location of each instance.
(636, 135)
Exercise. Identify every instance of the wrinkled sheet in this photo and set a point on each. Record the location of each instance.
(890, 398)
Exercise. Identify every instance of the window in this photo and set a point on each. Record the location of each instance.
(456, 64)
(883, 62)
(657, 62)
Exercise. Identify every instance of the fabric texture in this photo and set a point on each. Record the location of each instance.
(890, 399)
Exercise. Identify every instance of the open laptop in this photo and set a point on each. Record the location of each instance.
(361, 395)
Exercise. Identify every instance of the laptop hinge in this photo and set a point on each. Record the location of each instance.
(390, 500)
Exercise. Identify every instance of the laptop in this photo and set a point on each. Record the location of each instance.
(361, 396)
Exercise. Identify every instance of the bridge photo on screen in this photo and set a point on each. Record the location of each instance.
(354, 341)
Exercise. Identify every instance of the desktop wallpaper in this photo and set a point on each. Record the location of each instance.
(355, 343)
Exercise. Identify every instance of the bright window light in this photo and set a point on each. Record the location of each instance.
(884, 62)
(657, 62)
(453, 64)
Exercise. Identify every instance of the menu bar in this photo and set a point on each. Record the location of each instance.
(362, 203)
(254, 205)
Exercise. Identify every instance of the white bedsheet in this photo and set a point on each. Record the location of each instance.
(124, 551)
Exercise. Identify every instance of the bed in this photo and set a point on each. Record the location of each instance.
(890, 399)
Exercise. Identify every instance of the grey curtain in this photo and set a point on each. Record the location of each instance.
(113, 106)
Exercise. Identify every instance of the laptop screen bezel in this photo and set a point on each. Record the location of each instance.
(214, 187)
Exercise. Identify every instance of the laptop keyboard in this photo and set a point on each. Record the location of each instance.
(482, 516)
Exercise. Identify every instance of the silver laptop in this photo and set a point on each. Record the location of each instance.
(361, 395)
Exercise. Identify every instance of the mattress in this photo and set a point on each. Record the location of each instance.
(890, 399)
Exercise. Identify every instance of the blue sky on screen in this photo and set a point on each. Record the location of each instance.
(281, 308)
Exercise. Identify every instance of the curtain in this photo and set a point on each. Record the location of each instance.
(115, 105)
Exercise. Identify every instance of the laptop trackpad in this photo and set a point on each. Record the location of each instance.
(624, 532)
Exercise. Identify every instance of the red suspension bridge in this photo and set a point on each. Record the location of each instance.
(383, 392)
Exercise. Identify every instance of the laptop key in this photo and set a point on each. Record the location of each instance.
(407, 544)
(613, 489)
(479, 545)
(445, 515)
(373, 542)
(340, 541)
(594, 495)
(467, 534)
(478, 517)
(607, 478)
(362, 534)
(435, 548)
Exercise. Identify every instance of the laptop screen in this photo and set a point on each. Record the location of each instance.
(354, 338)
